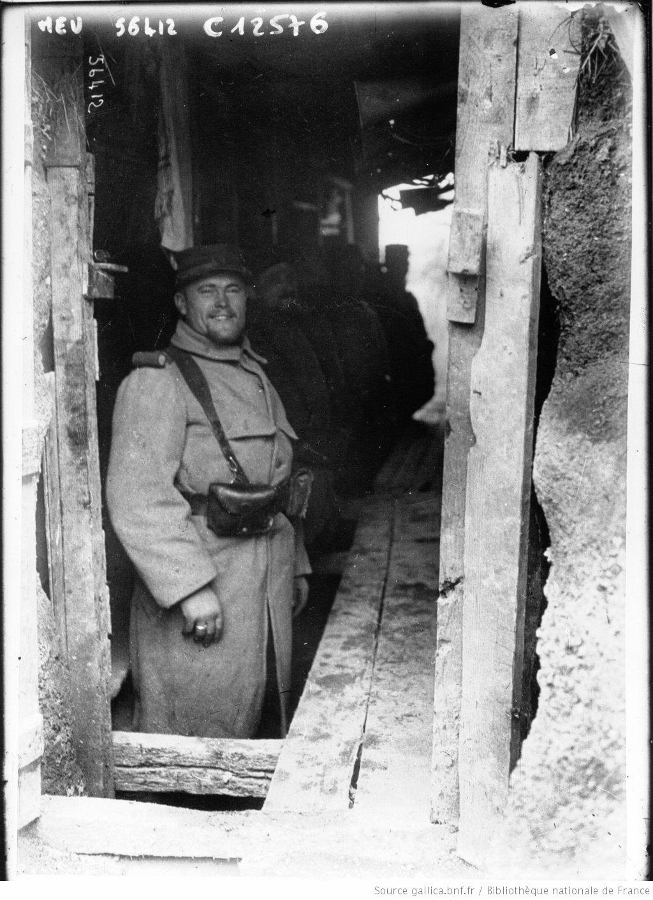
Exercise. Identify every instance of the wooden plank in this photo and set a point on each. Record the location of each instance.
(129, 828)
(462, 298)
(546, 78)
(351, 845)
(466, 241)
(28, 763)
(65, 81)
(29, 793)
(393, 783)
(30, 752)
(486, 96)
(485, 115)
(29, 772)
(32, 435)
(497, 508)
(464, 341)
(158, 762)
(191, 780)
(316, 764)
(89, 177)
(83, 572)
(132, 748)
(86, 599)
(30, 739)
(53, 521)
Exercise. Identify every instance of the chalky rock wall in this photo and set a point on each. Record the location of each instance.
(567, 812)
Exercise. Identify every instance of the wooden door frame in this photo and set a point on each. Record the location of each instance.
(513, 95)
(72, 476)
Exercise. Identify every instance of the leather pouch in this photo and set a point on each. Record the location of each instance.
(241, 509)
(299, 493)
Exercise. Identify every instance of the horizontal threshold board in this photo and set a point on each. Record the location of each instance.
(165, 762)
(96, 825)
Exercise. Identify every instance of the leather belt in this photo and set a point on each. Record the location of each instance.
(198, 503)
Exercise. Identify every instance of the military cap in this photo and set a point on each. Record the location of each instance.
(212, 259)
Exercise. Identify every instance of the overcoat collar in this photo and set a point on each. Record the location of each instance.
(186, 338)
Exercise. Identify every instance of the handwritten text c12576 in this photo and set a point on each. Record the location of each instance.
(214, 27)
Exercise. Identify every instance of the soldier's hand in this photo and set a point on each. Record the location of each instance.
(202, 614)
(300, 595)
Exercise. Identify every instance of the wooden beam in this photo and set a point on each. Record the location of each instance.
(351, 845)
(466, 241)
(486, 96)
(497, 504)
(99, 826)
(85, 592)
(29, 721)
(30, 739)
(317, 761)
(161, 762)
(53, 520)
(546, 77)
(488, 62)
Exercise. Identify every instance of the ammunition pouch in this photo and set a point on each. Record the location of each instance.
(247, 510)
(242, 509)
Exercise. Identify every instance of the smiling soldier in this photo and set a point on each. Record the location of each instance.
(201, 495)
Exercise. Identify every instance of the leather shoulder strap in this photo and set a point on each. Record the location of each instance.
(198, 385)
(150, 359)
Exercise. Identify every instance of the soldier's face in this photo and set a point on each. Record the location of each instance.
(278, 289)
(215, 307)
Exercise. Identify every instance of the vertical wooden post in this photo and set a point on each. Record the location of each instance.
(546, 77)
(497, 504)
(486, 90)
(86, 613)
(30, 730)
(485, 120)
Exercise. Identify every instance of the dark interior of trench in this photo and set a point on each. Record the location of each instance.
(372, 101)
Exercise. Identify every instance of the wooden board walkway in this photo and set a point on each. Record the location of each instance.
(358, 754)
(316, 763)
(394, 779)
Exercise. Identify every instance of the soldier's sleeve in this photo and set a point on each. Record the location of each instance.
(149, 515)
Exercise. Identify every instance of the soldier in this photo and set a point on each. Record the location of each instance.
(197, 489)
(279, 329)
(409, 346)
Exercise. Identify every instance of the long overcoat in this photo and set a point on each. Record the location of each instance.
(162, 444)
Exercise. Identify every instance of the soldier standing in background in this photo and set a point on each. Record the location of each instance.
(409, 347)
(278, 330)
